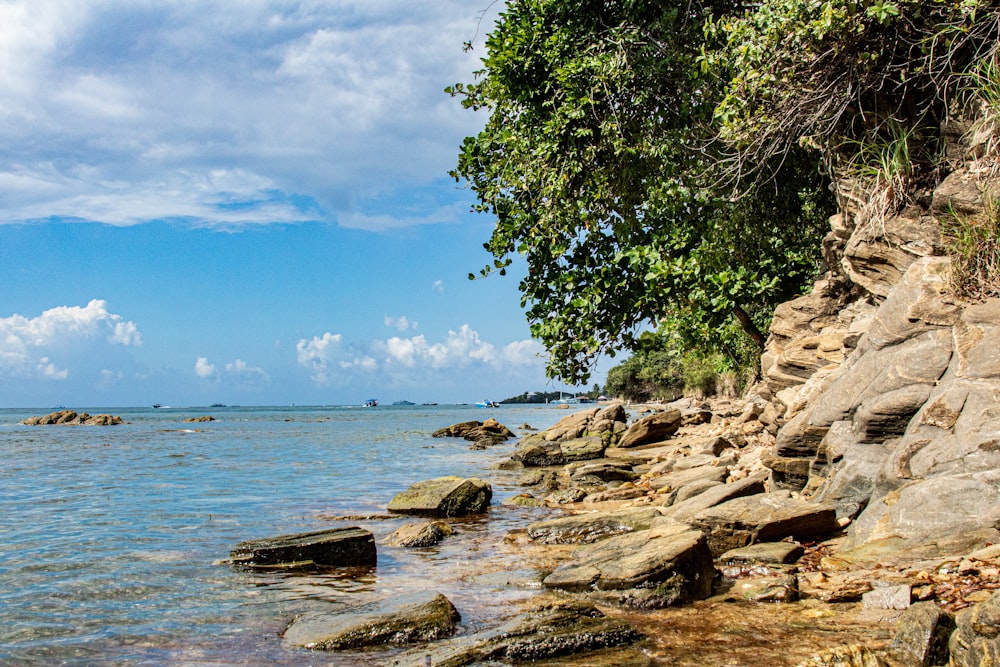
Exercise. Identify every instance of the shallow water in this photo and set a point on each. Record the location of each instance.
(111, 537)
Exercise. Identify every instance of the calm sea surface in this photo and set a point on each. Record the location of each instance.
(111, 537)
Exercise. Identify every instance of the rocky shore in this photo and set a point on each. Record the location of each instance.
(845, 511)
(665, 541)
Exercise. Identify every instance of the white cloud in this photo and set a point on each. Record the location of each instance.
(317, 353)
(403, 360)
(27, 343)
(243, 370)
(49, 371)
(203, 369)
(124, 112)
(401, 323)
(460, 348)
(438, 286)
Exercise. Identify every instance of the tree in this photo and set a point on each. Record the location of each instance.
(842, 74)
(598, 163)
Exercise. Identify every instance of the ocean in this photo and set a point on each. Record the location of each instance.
(113, 539)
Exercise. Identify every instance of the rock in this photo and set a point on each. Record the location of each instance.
(581, 449)
(779, 553)
(72, 418)
(539, 454)
(338, 547)
(676, 480)
(592, 527)
(929, 518)
(445, 497)
(887, 597)
(854, 655)
(779, 588)
(652, 428)
(425, 534)
(484, 433)
(563, 629)
(197, 420)
(542, 478)
(669, 557)
(976, 639)
(525, 500)
(566, 496)
(716, 495)
(626, 491)
(100, 420)
(922, 635)
(697, 488)
(763, 518)
(606, 471)
(420, 618)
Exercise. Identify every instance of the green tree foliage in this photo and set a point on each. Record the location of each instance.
(837, 73)
(598, 162)
(654, 371)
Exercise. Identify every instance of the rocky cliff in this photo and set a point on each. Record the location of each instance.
(883, 385)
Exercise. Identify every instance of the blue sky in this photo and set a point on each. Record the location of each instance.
(245, 202)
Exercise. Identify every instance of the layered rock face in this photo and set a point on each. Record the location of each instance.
(884, 387)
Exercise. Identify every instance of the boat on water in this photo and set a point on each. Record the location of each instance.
(403, 403)
(370, 403)
(487, 404)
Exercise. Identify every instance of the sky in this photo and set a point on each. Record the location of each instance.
(246, 202)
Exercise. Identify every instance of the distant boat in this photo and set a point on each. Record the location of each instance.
(403, 403)
(488, 404)
(370, 403)
(157, 405)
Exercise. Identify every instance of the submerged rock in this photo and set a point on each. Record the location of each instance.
(415, 535)
(338, 547)
(445, 497)
(422, 617)
(592, 527)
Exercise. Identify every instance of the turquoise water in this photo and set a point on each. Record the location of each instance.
(111, 537)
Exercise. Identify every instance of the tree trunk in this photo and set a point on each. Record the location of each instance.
(748, 326)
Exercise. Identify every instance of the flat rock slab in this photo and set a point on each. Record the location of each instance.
(444, 497)
(583, 448)
(776, 553)
(669, 557)
(592, 527)
(770, 517)
(887, 597)
(606, 471)
(563, 629)
(688, 508)
(419, 618)
(675, 480)
(338, 547)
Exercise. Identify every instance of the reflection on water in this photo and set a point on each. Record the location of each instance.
(112, 536)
